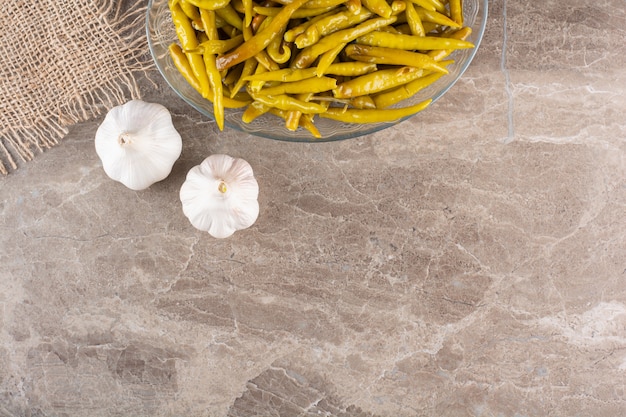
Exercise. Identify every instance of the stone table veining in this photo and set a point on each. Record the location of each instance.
(471, 262)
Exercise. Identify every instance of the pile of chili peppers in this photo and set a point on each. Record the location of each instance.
(347, 60)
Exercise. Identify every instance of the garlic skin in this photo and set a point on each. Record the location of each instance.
(138, 144)
(220, 195)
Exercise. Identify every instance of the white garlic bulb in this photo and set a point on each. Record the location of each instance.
(138, 144)
(220, 195)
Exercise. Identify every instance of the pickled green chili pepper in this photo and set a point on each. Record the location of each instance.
(380, 7)
(255, 86)
(436, 17)
(209, 4)
(321, 4)
(187, 37)
(456, 11)
(190, 10)
(349, 69)
(266, 61)
(278, 50)
(285, 102)
(379, 55)
(301, 13)
(363, 102)
(425, 4)
(230, 16)
(249, 67)
(216, 46)
(254, 110)
(376, 81)
(247, 10)
(410, 42)
(439, 6)
(308, 55)
(293, 32)
(260, 40)
(309, 85)
(292, 119)
(389, 98)
(314, 4)
(183, 66)
(305, 121)
(330, 24)
(413, 20)
(215, 78)
(440, 54)
(373, 116)
(328, 58)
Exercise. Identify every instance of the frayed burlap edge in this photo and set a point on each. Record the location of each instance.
(19, 144)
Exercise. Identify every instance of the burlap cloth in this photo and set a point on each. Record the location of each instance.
(63, 62)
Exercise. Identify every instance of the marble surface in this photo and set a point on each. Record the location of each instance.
(470, 264)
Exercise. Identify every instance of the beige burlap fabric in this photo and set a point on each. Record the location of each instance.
(63, 62)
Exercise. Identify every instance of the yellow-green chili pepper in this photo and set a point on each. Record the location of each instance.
(247, 10)
(439, 6)
(255, 86)
(249, 67)
(328, 58)
(309, 85)
(305, 121)
(414, 21)
(409, 42)
(308, 55)
(230, 16)
(330, 24)
(456, 11)
(266, 61)
(380, 7)
(363, 102)
(292, 33)
(373, 116)
(260, 40)
(278, 50)
(209, 4)
(216, 46)
(215, 78)
(182, 64)
(350, 69)
(436, 17)
(298, 14)
(391, 56)
(190, 10)
(389, 98)
(425, 4)
(254, 110)
(461, 34)
(285, 102)
(187, 37)
(292, 119)
(320, 4)
(376, 81)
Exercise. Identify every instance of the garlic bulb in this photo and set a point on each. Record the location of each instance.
(138, 144)
(220, 195)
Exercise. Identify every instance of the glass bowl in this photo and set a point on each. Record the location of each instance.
(161, 33)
